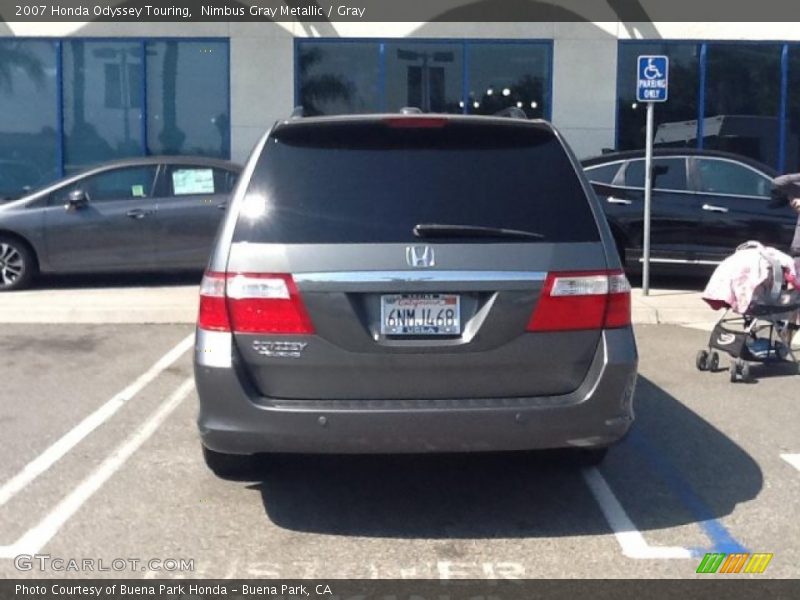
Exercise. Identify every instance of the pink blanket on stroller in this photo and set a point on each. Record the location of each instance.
(737, 278)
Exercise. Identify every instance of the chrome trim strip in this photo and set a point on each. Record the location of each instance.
(418, 276)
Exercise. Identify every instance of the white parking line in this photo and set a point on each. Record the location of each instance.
(792, 459)
(34, 539)
(68, 441)
(630, 539)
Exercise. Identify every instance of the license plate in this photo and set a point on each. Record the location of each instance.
(421, 314)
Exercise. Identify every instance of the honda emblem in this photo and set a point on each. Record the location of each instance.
(420, 256)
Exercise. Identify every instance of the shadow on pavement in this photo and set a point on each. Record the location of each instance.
(674, 469)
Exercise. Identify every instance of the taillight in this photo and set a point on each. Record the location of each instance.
(583, 300)
(266, 303)
(252, 303)
(213, 314)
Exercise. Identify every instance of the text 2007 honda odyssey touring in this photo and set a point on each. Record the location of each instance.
(413, 283)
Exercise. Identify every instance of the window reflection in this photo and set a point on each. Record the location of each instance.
(508, 75)
(792, 163)
(102, 102)
(675, 120)
(187, 100)
(28, 119)
(338, 78)
(429, 76)
(743, 90)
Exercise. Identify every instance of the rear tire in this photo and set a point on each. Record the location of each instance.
(588, 457)
(230, 466)
(18, 265)
(713, 362)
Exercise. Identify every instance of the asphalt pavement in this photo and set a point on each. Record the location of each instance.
(102, 462)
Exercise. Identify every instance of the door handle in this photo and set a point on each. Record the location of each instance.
(138, 213)
(613, 200)
(713, 208)
(222, 206)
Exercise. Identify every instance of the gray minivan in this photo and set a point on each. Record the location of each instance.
(412, 283)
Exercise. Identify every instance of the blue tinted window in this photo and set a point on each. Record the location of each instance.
(187, 98)
(743, 90)
(429, 76)
(102, 101)
(29, 115)
(508, 75)
(338, 78)
(675, 120)
(792, 163)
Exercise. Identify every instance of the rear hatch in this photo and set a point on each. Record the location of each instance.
(410, 258)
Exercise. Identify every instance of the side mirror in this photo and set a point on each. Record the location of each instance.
(77, 199)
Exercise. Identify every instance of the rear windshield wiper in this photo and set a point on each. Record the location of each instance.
(434, 230)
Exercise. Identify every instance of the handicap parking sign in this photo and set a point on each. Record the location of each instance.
(652, 80)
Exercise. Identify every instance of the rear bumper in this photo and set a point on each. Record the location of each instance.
(596, 414)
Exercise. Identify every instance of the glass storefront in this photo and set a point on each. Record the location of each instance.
(732, 96)
(187, 99)
(68, 104)
(675, 120)
(29, 117)
(450, 76)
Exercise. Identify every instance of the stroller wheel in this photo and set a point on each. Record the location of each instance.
(745, 372)
(713, 361)
(701, 361)
(733, 372)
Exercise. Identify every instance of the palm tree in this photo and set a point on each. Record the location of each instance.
(315, 89)
(14, 55)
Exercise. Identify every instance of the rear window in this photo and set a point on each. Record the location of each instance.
(369, 182)
(668, 173)
(603, 173)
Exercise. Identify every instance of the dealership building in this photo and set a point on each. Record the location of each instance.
(75, 94)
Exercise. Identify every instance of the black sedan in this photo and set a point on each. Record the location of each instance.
(139, 214)
(704, 204)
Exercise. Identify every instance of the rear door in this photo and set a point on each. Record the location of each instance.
(675, 212)
(735, 200)
(192, 200)
(114, 230)
(439, 315)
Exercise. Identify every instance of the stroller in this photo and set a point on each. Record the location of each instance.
(757, 287)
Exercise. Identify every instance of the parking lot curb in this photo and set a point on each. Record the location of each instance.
(671, 307)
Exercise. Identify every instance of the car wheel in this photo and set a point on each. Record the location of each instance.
(588, 457)
(231, 466)
(17, 264)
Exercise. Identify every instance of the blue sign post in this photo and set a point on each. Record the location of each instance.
(652, 85)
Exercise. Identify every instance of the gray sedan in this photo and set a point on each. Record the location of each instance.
(143, 214)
